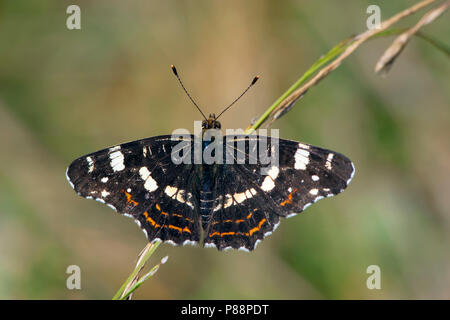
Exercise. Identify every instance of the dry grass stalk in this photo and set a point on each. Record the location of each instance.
(384, 64)
(357, 41)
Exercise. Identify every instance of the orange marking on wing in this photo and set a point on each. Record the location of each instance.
(227, 233)
(129, 200)
(152, 222)
(248, 234)
(181, 216)
(235, 221)
(289, 199)
(158, 207)
(175, 228)
(252, 231)
(186, 229)
(170, 226)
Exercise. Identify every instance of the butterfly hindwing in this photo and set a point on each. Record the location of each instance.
(173, 214)
(237, 219)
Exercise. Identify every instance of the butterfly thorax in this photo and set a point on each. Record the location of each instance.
(211, 123)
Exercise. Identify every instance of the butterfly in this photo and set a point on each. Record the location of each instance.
(221, 203)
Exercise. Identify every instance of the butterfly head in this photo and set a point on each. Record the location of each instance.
(211, 123)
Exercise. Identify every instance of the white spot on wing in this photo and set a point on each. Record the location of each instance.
(170, 242)
(105, 193)
(239, 197)
(179, 195)
(105, 179)
(90, 164)
(318, 198)
(314, 192)
(329, 159)
(301, 159)
(156, 240)
(229, 201)
(303, 146)
(276, 226)
(170, 191)
(219, 206)
(117, 159)
(267, 184)
(183, 197)
(273, 172)
(315, 178)
(189, 242)
(150, 183)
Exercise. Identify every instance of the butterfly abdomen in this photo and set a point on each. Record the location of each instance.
(206, 194)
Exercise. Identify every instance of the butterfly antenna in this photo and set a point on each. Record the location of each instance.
(182, 85)
(235, 100)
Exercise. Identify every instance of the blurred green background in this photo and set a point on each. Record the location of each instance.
(67, 93)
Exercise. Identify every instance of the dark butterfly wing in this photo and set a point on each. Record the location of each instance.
(237, 204)
(248, 204)
(139, 179)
